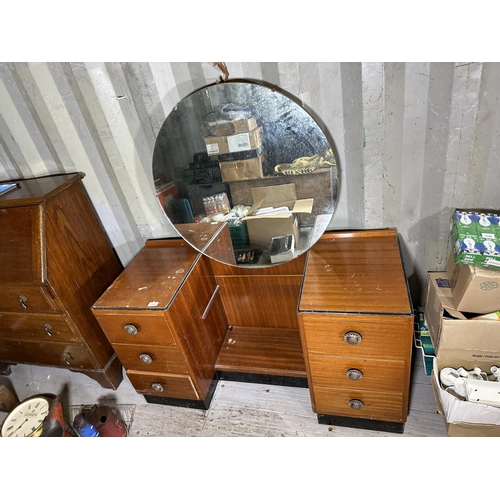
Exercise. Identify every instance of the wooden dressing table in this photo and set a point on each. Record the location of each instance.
(338, 319)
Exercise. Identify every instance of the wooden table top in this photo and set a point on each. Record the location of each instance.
(356, 272)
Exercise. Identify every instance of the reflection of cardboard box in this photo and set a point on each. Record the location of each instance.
(241, 170)
(231, 127)
(475, 289)
(233, 143)
(263, 228)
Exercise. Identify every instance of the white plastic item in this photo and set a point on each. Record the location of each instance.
(448, 376)
(482, 391)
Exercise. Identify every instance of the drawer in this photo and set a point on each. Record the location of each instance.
(382, 337)
(150, 358)
(360, 374)
(159, 384)
(45, 353)
(25, 300)
(375, 405)
(44, 327)
(135, 327)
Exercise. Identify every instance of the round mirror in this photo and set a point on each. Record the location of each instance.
(245, 175)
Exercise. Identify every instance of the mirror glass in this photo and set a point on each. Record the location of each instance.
(245, 174)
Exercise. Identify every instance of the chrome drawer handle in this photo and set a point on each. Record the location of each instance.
(354, 374)
(352, 338)
(356, 404)
(157, 387)
(146, 358)
(48, 329)
(66, 358)
(131, 329)
(23, 299)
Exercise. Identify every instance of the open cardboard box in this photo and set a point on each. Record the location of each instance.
(460, 342)
(463, 418)
(475, 289)
(263, 228)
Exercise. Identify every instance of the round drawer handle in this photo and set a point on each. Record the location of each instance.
(356, 404)
(354, 374)
(48, 329)
(352, 338)
(157, 387)
(66, 358)
(146, 358)
(131, 329)
(23, 299)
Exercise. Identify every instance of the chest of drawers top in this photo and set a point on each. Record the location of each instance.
(355, 272)
(151, 280)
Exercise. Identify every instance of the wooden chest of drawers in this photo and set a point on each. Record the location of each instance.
(165, 319)
(356, 323)
(55, 262)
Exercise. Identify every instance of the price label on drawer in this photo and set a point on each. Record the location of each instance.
(153, 304)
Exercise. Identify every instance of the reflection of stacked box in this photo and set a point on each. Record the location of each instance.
(237, 146)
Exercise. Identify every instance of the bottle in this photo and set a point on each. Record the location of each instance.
(83, 427)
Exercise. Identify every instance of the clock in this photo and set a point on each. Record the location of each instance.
(26, 419)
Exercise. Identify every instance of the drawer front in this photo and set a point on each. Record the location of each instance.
(374, 405)
(371, 336)
(25, 300)
(150, 358)
(359, 374)
(44, 327)
(135, 328)
(159, 384)
(45, 353)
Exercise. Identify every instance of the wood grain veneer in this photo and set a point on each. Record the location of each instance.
(55, 258)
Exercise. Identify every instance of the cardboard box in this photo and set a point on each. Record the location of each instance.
(232, 143)
(464, 418)
(263, 228)
(231, 171)
(456, 339)
(231, 127)
(475, 238)
(475, 289)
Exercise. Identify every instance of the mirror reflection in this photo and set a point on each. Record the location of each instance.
(245, 174)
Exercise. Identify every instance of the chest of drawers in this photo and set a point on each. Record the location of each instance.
(165, 320)
(356, 322)
(56, 261)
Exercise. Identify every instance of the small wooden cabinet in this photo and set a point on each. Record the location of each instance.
(165, 319)
(356, 324)
(56, 261)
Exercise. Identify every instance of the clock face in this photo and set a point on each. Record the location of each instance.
(26, 418)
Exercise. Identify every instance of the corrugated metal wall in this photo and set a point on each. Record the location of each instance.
(415, 139)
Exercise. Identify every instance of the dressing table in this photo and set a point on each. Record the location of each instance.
(334, 316)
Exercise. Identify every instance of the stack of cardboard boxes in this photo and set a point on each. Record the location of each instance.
(457, 312)
(237, 146)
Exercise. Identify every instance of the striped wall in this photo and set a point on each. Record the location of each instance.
(415, 139)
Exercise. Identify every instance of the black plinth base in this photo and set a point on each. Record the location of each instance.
(186, 403)
(257, 378)
(362, 423)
